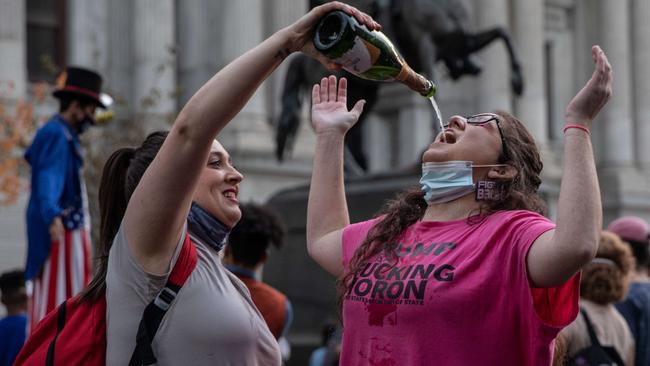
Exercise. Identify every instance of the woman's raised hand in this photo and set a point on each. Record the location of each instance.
(329, 111)
(584, 107)
(301, 33)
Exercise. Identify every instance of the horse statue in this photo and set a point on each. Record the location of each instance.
(425, 32)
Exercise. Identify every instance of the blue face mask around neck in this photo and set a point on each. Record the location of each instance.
(446, 181)
(207, 228)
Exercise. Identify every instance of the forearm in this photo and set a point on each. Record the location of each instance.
(159, 206)
(579, 216)
(555, 257)
(50, 188)
(49, 208)
(327, 207)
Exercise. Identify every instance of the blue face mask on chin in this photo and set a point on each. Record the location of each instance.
(446, 181)
(206, 227)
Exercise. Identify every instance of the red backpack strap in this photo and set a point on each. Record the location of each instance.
(155, 311)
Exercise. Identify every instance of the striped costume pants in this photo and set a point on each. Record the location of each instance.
(65, 273)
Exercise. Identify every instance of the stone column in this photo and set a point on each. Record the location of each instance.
(415, 131)
(641, 80)
(86, 34)
(279, 14)
(624, 186)
(242, 26)
(154, 60)
(195, 44)
(615, 124)
(493, 89)
(13, 63)
(119, 73)
(528, 32)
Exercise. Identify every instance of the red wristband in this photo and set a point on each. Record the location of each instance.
(580, 127)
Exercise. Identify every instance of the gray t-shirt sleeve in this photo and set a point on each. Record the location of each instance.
(129, 288)
(126, 268)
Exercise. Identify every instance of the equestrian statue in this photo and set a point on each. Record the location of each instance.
(425, 32)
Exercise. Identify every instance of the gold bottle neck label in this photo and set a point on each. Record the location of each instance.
(414, 80)
(403, 73)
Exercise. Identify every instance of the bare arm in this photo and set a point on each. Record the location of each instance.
(159, 206)
(559, 254)
(327, 212)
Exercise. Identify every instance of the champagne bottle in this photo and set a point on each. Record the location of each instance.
(367, 54)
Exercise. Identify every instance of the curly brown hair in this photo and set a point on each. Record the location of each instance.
(409, 206)
(604, 283)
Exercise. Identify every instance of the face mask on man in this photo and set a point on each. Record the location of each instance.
(85, 124)
(446, 181)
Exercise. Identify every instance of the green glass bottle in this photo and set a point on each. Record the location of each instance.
(367, 54)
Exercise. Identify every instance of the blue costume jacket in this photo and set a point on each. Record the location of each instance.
(56, 160)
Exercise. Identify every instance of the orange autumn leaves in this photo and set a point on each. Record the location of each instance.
(17, 124)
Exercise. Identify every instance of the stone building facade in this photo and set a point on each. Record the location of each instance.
(155, 53)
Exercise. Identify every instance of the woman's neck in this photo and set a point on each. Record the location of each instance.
(457, 209)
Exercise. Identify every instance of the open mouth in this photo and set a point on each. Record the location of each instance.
(230, 194)
(447, 137)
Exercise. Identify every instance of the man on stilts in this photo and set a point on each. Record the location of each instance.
(58, 225)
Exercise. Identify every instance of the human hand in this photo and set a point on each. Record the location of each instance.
(329, 111)
(584, 107)
(56, 229)
(301, 33)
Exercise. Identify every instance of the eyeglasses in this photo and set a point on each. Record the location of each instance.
(481, 119)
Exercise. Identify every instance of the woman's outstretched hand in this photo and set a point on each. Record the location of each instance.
(584, 107)
(301, 33)
(329, 111)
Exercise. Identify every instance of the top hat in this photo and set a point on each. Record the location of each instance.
(80, 82)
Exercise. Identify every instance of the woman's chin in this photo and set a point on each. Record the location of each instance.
(436, 155)
(232, 218)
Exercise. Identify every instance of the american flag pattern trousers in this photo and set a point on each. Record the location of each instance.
(65, 273)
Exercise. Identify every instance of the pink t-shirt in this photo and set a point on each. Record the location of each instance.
(459, 295)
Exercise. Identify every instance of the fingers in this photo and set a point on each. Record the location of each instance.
(603, 69)
(332, 89)
(327, 90)
(362, 17)
(323, 90)
(358, 107)
(315, 94)
(343, 91)
(595, 50)
(602, 63)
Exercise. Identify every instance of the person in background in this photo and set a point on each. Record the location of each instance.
(58, 225)
(559, 351)
(330, 350)
(636, 306)
(604, 282)
(13, 327)
(247, 251)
